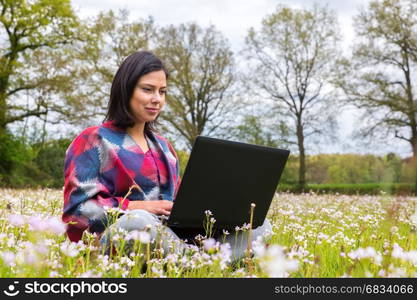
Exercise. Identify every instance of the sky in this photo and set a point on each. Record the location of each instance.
(233, 19)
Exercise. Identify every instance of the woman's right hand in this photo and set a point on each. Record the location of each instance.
(157, 207)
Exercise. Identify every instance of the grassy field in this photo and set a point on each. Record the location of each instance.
(354, 188)
(313, 236)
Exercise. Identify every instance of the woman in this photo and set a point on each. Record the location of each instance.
(103, 162)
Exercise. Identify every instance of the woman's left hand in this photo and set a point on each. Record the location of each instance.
(157, 207)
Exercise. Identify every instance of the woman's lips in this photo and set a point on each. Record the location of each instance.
(153, 110)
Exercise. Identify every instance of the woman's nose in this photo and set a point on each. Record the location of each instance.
(157, 97)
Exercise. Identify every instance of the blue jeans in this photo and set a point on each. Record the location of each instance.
(140, 220)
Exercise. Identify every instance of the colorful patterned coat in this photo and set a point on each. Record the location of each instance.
(101, 164)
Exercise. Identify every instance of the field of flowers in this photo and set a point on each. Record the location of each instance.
(313, 236)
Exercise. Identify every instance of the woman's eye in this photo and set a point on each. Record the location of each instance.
(163, 92)
(147, 89)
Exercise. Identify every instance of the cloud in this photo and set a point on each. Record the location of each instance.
(232, 18)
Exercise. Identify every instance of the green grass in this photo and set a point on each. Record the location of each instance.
(320, 232)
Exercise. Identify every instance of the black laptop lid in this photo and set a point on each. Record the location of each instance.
(225, 177)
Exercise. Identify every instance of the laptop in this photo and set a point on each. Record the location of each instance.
(225, 178)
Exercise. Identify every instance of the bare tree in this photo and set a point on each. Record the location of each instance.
(380, 76)
(292, 57)
(201, 65)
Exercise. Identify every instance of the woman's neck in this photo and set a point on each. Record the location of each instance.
(137, 130)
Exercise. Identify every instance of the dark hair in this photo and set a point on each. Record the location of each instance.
(133, 67)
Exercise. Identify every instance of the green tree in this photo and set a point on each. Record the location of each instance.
(337, 174)
(50, 159)
(289, 175)
(27, 26)
(391, 168)
(293, 55)
(183, 157)
(318, 165)
(259, 130)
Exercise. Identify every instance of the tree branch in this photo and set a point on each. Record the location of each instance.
(12, 119)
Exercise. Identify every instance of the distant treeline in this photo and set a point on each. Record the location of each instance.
(346, 174)
(352, 169)
(41, 164)
(344, 169)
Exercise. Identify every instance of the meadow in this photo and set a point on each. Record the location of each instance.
(313, 236)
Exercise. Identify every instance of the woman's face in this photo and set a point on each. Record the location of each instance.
(148, 96)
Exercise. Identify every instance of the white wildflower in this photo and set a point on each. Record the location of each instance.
(368, 252)
(55, 225)
(144, 237)
(209, 244)
(8, 258)
(69, 249)
(275, 263)
(16, 220)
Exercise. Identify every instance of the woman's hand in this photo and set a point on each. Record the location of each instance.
(157, 207)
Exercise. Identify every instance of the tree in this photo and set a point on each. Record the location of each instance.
(380, 76)
(110, 38)
(292, 57)
(201, 65)
(259, 127)
(25, 27)
(253, 132)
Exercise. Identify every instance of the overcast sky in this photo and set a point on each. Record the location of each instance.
(233, 18)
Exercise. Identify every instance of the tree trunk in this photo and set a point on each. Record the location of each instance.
(302, 158)
(414, 160)
(4, 83)
(2, 113)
